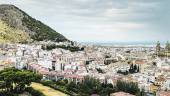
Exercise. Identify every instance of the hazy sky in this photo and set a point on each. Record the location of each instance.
(102, 20)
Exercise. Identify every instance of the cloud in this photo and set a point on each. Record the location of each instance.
(113, 20)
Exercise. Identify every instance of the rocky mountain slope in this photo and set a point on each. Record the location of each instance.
(18, 26)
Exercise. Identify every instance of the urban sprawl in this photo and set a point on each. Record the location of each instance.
(148, 66)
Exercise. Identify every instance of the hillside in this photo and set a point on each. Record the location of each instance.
(18, 26)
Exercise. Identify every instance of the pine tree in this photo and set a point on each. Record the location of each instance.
(158, 47)
(131, 68)
(138, 69)
(167, 46)
(135, 68)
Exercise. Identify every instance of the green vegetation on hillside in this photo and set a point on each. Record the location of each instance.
(20, 22)
(42, 31)
(53, 46)
(9, 34)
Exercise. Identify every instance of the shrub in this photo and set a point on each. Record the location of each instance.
(34, 92)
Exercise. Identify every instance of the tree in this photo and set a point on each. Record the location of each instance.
(132, 66)
(128, 87)
(72, 87)
(138, 69)
(135, 68)
(154, 63)
(158, 47)
(17, 80)
(90, 86)
(167, 46)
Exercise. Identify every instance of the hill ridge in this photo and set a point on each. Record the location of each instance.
(14, 18)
